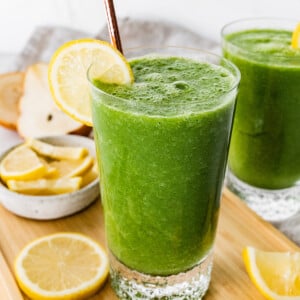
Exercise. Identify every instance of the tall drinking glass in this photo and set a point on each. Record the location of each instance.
(264, 158)
(162, 147)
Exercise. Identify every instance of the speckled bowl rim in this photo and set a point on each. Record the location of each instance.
(53, 206)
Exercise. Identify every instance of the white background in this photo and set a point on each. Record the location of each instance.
(19, 17)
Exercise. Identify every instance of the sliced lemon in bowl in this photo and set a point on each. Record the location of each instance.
(67, 74)
(296, 37)
(22, 164)
(275, 274)
(44, 186)
(56, 152)
(90, 175)
(71, 168)
(61, 266)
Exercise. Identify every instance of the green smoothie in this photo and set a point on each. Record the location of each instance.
(265, 145)
(162, 144)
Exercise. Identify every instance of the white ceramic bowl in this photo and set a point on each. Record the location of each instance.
(54, 206)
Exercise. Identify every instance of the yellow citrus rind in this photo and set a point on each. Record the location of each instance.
(296, 37)
(67, 74)
(275, 274)
(61, 266)
(21, 164)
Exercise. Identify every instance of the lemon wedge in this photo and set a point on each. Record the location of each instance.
(90, 175)
(67, 74)
(275, 274)
(71, 168)
(61, 266)
(45, 186)
(57, 152)
(296, 37)
(22, 164)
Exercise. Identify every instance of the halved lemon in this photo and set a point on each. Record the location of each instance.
(61, 266)
(22, 164)
(68, 74)
(296, 37)
(275, 274)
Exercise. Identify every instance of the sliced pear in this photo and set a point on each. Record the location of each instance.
(11, 89)
(39, 115)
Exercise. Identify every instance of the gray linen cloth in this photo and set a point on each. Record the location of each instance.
(134, 33)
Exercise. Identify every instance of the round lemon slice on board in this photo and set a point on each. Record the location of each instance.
(296, 37)
(61, 266)
(275, 274)
(67, 74)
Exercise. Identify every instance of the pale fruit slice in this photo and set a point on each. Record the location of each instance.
(22, 164)
(296, 37)
(57, 152)
(39, 116)
(275, 274)
(71, 168)
(11, 89)
(68, 74)
(45, 186)
(90, 175)
(50, 170)
(61, 266)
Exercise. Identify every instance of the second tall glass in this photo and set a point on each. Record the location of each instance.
(264, 158)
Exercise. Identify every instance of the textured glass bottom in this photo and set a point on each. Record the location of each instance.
(271, 205)
(191, 285)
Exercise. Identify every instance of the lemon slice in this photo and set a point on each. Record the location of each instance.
(51, 172)
(61, 266)
(275, 274)
(57, 152)
(22, 164)
(68, 74)
(45, 186)
(90, 175)
(71, 168)
(296, 37)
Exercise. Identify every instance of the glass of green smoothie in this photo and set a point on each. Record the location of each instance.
(264, 158)
(162, 145)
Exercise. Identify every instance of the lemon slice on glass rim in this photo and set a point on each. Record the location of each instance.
(67, 74)
(61, 266)
(275, 274)
(296, 37)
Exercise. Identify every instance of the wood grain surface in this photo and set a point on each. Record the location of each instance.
(238, 227)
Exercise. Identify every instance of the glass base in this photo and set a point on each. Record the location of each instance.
(272, 205)
(191, 285)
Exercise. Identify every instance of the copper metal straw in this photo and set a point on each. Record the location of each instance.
(113, 25)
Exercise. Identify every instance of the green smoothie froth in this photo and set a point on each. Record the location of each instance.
(172, 86)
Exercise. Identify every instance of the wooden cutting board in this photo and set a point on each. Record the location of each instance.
(238, 227)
